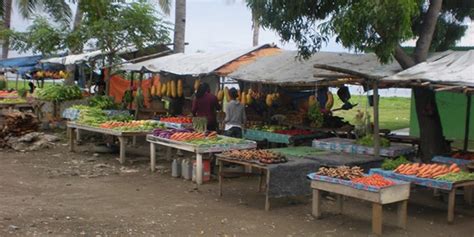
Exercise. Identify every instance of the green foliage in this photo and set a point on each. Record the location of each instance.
(456, 177)
(58, 9)
(102, 102)
(364, 25)
(315, 115)
(389, 164)
(368, 140)
(58, 93)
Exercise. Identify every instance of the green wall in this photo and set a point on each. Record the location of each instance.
(452, 109)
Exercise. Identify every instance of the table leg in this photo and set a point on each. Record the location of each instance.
(134, 141)
(402, 214)
(168, 153)
(220, 177)
(78, 136)
(72, 136)
(198, 168)
(377, 214)
(468, 193)
(339, 200)
(152, 156)
(122, 149)
(267, 187)
(260, 181)
(316, 203)
(451, 204)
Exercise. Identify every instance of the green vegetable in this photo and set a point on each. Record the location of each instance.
(389, 164)
(315, 115)
(91, 116)
(58, 93)
(103, 102)
(368, 140)
(456, 177)
(122, 117)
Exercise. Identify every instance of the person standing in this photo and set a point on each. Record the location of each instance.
(206, 105)
(235, 117)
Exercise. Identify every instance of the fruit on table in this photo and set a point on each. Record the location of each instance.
(373, 180)
(135, 125)
(262, 156)
(293, 132)
(342, 172)
(456, 177)
(8, 93)
(426, 170)
(177, 120)
(12, 101)
(389, 164)
(463, 155)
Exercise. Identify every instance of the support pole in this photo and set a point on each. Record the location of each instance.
(467, 123)
(376, 120)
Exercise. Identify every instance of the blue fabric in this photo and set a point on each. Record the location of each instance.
(20, 61)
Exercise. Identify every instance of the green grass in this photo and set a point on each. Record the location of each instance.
(394, 112)
(24, 84)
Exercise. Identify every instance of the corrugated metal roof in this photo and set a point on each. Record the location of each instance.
(77, 58)
(286, 68)
(450, 68)
(190, 63)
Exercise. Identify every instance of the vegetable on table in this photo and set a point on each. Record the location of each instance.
(374, 180)
(342, 172)
(426, 170)
(457, 177)
(389, 164)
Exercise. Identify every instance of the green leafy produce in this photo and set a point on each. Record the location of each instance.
(389, 164)
(12, 101)
(103, 102)
(315, 115)
(121, 117)
(92, 116)
(456, 177)
(58, 93)
(368, 140)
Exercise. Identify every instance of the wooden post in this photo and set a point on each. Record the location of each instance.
(376, 120)
(199, 168)
(220, 177)
(122, 149)
(451, 205)
(138, 88)
(267, 191)
(16, 80)
(339, 201)
(71, 135)
(402, 214)
(316, 203)
(377, 218)
(152, 156)
(467, 123)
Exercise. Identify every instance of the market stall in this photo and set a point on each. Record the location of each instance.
(284, 170)
(435, 176)
(381, 192)
(199, 143)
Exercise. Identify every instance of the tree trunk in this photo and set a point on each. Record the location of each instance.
(432, 141)
(76, 48)
(256, 29)
(179, 26)
(7, 11)
(427, 29)
(110, 61)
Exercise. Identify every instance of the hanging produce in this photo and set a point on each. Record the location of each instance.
(168, 89)
(197, 82)
(163, 89)
(330, 101)
(140, 99)
(249, 98)
(220, 95)
(173, 89)
(269, 100)
(311, 100)
(243, 98)
(158, 89)
(226, 94)
(180, 88)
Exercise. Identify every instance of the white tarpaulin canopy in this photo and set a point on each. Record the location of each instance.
(452, 68)
(190, 63)
(286, 69)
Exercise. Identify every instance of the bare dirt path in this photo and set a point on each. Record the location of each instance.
(57, 193)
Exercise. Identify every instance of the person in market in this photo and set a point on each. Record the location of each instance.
(206, 105)
(235, 117)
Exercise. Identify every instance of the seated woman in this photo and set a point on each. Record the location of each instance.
(234, 116)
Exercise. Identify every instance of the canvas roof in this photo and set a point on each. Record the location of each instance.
(191, 63)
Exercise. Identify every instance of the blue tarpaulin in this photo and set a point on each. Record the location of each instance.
(25, 65)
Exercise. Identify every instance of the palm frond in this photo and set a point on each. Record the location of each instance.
(165, 6)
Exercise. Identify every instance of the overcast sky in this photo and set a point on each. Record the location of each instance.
(218, 25)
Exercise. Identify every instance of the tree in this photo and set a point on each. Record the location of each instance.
(115, 25)
(6, 18)
(179, 22)
(380, 27)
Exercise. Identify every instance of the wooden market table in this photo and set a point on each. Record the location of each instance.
(398, 193)
(198, 150)
(435, 184)
(18, 106)
(72, 127)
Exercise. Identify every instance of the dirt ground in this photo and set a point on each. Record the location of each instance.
(58, 193)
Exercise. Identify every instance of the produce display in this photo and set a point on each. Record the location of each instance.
(131, 126)
(389, 164)
(463, 155)
(262, 156)
(342, 172)
(91, 116)
(4, 93)
(457, 177)
(177, 120)
(188, 136)
(315, 115)
(269, 128)
(58, 93)
(294, 132)
(368, 140)
(50, 75)
(426, 170)
(12, 101)
(373, 180)
(102, 102)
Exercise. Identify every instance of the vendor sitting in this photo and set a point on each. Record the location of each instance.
(234, 116)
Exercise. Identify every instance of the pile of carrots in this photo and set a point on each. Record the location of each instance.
(426, 170)
(373, 180)
(177, 120)
(187, 136)
(116, 124)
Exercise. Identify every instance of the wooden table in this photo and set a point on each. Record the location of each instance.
(198, 150)
(19, 106)
(437, 185)
(264, 172)
(398, 193)
(73, 127)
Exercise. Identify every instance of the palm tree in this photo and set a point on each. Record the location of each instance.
(179, 22)
(255, 25)
(6, 20)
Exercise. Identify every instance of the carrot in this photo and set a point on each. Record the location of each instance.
(453, 166)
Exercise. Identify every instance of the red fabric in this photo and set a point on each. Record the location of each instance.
(206, 106)
(118, 86)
